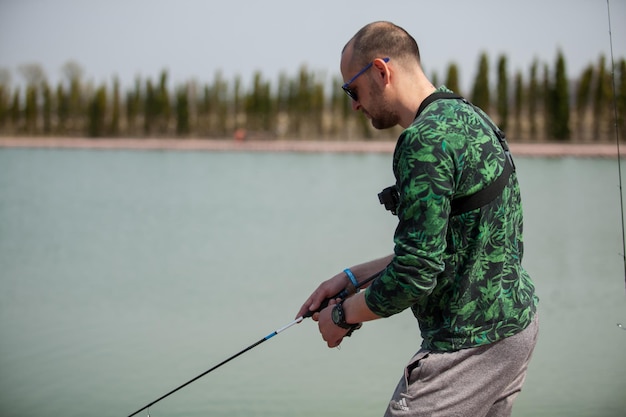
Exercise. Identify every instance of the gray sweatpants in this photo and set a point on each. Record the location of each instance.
(476, 382)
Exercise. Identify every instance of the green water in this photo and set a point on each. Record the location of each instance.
(123, 274)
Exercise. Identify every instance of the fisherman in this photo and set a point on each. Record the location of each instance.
(456, 265)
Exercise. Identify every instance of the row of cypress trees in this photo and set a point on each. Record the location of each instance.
(542, 105)
(548, 105)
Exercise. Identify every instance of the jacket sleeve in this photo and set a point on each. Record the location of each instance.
(425, 172)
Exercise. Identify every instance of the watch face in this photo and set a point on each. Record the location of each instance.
(336, 315)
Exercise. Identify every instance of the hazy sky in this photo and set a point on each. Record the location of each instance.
(193, 39)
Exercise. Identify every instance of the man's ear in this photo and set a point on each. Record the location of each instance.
(383, 71)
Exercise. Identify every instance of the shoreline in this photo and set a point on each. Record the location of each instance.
(590, 150)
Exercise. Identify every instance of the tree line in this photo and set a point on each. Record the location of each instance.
(543, 104)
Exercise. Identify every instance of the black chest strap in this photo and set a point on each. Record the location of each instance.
(482, 197)
(390, 195)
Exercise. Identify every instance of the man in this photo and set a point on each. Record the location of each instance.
(456, 264)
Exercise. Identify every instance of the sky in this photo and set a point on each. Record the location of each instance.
(194, 39)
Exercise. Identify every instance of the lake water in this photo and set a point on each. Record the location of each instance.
(124, 274)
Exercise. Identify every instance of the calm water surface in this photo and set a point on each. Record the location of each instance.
(126, 273)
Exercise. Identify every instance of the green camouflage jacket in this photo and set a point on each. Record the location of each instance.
(461, 275)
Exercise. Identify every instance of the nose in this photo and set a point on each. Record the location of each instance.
(356, 105)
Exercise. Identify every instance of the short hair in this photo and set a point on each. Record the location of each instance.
(382, 38)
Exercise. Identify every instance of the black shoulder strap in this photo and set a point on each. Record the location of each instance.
(436, 96)
(480, 198)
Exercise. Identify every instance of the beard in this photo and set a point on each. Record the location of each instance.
(382, 116)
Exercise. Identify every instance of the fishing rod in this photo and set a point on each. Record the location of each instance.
(342, 295)
(619, 164)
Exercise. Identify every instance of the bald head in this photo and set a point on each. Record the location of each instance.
(383, 39)
(388, 91)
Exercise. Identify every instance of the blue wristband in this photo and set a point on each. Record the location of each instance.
(352, 279)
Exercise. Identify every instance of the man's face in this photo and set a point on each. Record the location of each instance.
(369, 90)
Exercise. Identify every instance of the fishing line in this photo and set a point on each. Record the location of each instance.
(619, 164)
(342, 294)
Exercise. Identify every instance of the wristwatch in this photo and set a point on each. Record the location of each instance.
(339, 316)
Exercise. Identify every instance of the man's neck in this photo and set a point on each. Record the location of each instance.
(417, 96)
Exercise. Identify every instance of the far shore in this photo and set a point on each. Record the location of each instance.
(604, 150)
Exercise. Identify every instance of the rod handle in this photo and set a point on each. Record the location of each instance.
(341, 294)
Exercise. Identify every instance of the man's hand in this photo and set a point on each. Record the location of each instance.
(339, 282)
(327, 289)
(331, 333)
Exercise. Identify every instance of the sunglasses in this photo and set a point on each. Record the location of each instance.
(350, 92)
